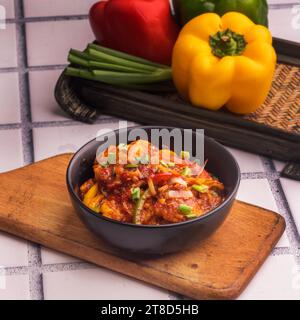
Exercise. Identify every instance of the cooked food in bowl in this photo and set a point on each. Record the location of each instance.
(140, 184)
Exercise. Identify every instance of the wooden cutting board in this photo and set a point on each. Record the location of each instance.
(34, 204)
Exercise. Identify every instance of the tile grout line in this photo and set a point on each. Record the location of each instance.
(278, 6)
(49, 67)
(104, 119)
(34, 251)
(259, 175)
(22, 20)
(281, 251)
(284, 209)
(10, 126)
(55, 267)
(24, 89)
(35, 272)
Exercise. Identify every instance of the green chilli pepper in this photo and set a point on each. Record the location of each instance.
(139, 207)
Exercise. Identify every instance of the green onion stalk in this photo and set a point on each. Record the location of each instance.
(113, 67)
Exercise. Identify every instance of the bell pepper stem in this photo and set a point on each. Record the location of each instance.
(227, 43)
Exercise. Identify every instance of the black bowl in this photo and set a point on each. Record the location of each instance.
(155, 240)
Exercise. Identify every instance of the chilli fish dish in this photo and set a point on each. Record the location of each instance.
(138, 183)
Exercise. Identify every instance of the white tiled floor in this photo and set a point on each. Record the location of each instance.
(9, 98)
(292, 193)
(278, 279)
(57, 140)
(8, 53)
(16, 288)
(52, 257)
(258, 192)
(9, 8)
(283, 242)
(248, 162)
(43, 104)
(98, 284)
(48, 41)
(46, 8)
(13, 251)
(286, 22)
(279, 165)
(12, 157)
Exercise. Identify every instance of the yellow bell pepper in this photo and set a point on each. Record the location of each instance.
(224, 61)
(90, 194)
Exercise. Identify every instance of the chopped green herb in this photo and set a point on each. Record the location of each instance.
(191, 216)
(185, 155)
(135, 194)
(103, 164)
(139, 207)
(163, 163)
(186, 171)
(138, 159)
(111, 158)
(186, 210)
(200, 188)
(131, 165)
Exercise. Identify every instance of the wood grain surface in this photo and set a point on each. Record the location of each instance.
(34, 204)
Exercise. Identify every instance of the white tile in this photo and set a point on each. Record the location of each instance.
(99, 284)
(291, 189)
(283, 242)
(279, 165)
(38, 8)
(13, 251)
(278, 279)
(56, 140)
(48, 43)
(11, 150)
(257, 192)
(248, 162)
(285, 23)
(270, 2)
(8, 52)
(50, 256)
(43, 104)
(9, 8)
(9, 98)
(16, 287)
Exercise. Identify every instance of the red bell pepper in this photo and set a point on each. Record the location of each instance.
(163, 177)
(144, 28)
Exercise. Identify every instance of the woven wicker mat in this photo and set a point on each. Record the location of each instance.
(282, 107)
